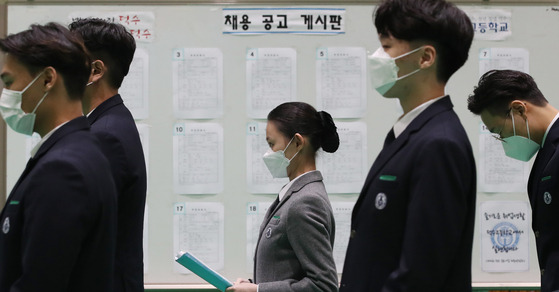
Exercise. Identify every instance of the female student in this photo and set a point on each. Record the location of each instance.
(294, 249)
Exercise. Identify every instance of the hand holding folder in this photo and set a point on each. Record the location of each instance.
(192, 263)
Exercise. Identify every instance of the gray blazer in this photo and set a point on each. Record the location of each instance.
(294, 249)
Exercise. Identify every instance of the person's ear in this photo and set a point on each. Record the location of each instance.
(428, 57)
(299, 141)
(98, 70)
(519, 107)
(50, 78)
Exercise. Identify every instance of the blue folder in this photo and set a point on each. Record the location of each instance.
(190, 262)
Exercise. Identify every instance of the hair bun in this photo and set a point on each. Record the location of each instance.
(329, 139)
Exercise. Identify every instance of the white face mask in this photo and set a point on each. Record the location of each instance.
(15, 117)
(384, 71)
(276, 162)
(519, 147)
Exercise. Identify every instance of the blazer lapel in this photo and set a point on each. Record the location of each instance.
(103, 107)
(542, 159)
(392, 148)
(297, 186)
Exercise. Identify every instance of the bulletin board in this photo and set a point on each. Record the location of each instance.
(175, 29)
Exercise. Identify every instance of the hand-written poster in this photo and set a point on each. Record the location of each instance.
(504, 236)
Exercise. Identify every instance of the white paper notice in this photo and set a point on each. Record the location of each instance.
(491, 24)
(342, 215)
(197, 83)
(134, 89)
(497, 172)
(198, 158)
(504, 236)
(341, 81)
(140, 24)
(271, 79)
(143, 130)
(199, 229)
(345, 170)
(256, 211)
(259, 179)
(503, 58)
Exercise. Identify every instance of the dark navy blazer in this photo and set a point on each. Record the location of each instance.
(413, 223)
(543, 191)
(58, 225)
(115, 128)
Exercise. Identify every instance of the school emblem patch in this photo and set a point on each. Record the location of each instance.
(6, 225)
(547, 198)
(380, 201)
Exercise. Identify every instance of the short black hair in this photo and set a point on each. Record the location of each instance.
(52, 45)
(497, 88)
(109, 42)
(434, 22)
(299, 117)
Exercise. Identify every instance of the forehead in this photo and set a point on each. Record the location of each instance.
(13, 68)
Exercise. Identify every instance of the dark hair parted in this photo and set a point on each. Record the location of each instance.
(433, 22)
(299, 117)
(497, 88)
(51, 45)
(109, 42)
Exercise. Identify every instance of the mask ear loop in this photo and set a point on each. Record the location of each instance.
(513, 126)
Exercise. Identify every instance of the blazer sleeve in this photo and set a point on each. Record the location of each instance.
(57, 216)
(438, 210)
(309, 233)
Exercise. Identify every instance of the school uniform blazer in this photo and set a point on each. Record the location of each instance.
(58, 224)
(543, 192)
(294, 249)
(115, 128)
(412, 225)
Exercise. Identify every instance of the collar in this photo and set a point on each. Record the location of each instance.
(549, 128)
(44, 139)
(104, 106)
(406, 120)
(288, 185)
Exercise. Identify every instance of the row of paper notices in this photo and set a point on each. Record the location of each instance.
(134, 88)
(197, 83)
(505, 231)
(271, 79)
(256, 212)
(199, 229)
(344, 171)
(197, 158)
(497, 172)
(341, 87)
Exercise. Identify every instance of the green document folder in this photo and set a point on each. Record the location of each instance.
(190, 262)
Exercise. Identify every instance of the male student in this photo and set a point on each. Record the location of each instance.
(511, 106)
(112, 49)
(412, 225)
(58, 224)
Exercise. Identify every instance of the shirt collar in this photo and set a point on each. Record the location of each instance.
(287, 186)
(549, 128)
(406, 120)
(44, 139)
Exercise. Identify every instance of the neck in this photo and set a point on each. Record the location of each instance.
(97, 95)
(425, 89)
(539, 121)
(305, 166)
(64, 112)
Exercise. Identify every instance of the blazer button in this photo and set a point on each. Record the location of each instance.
(537, 234)
(542, 271)
(352, 234)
